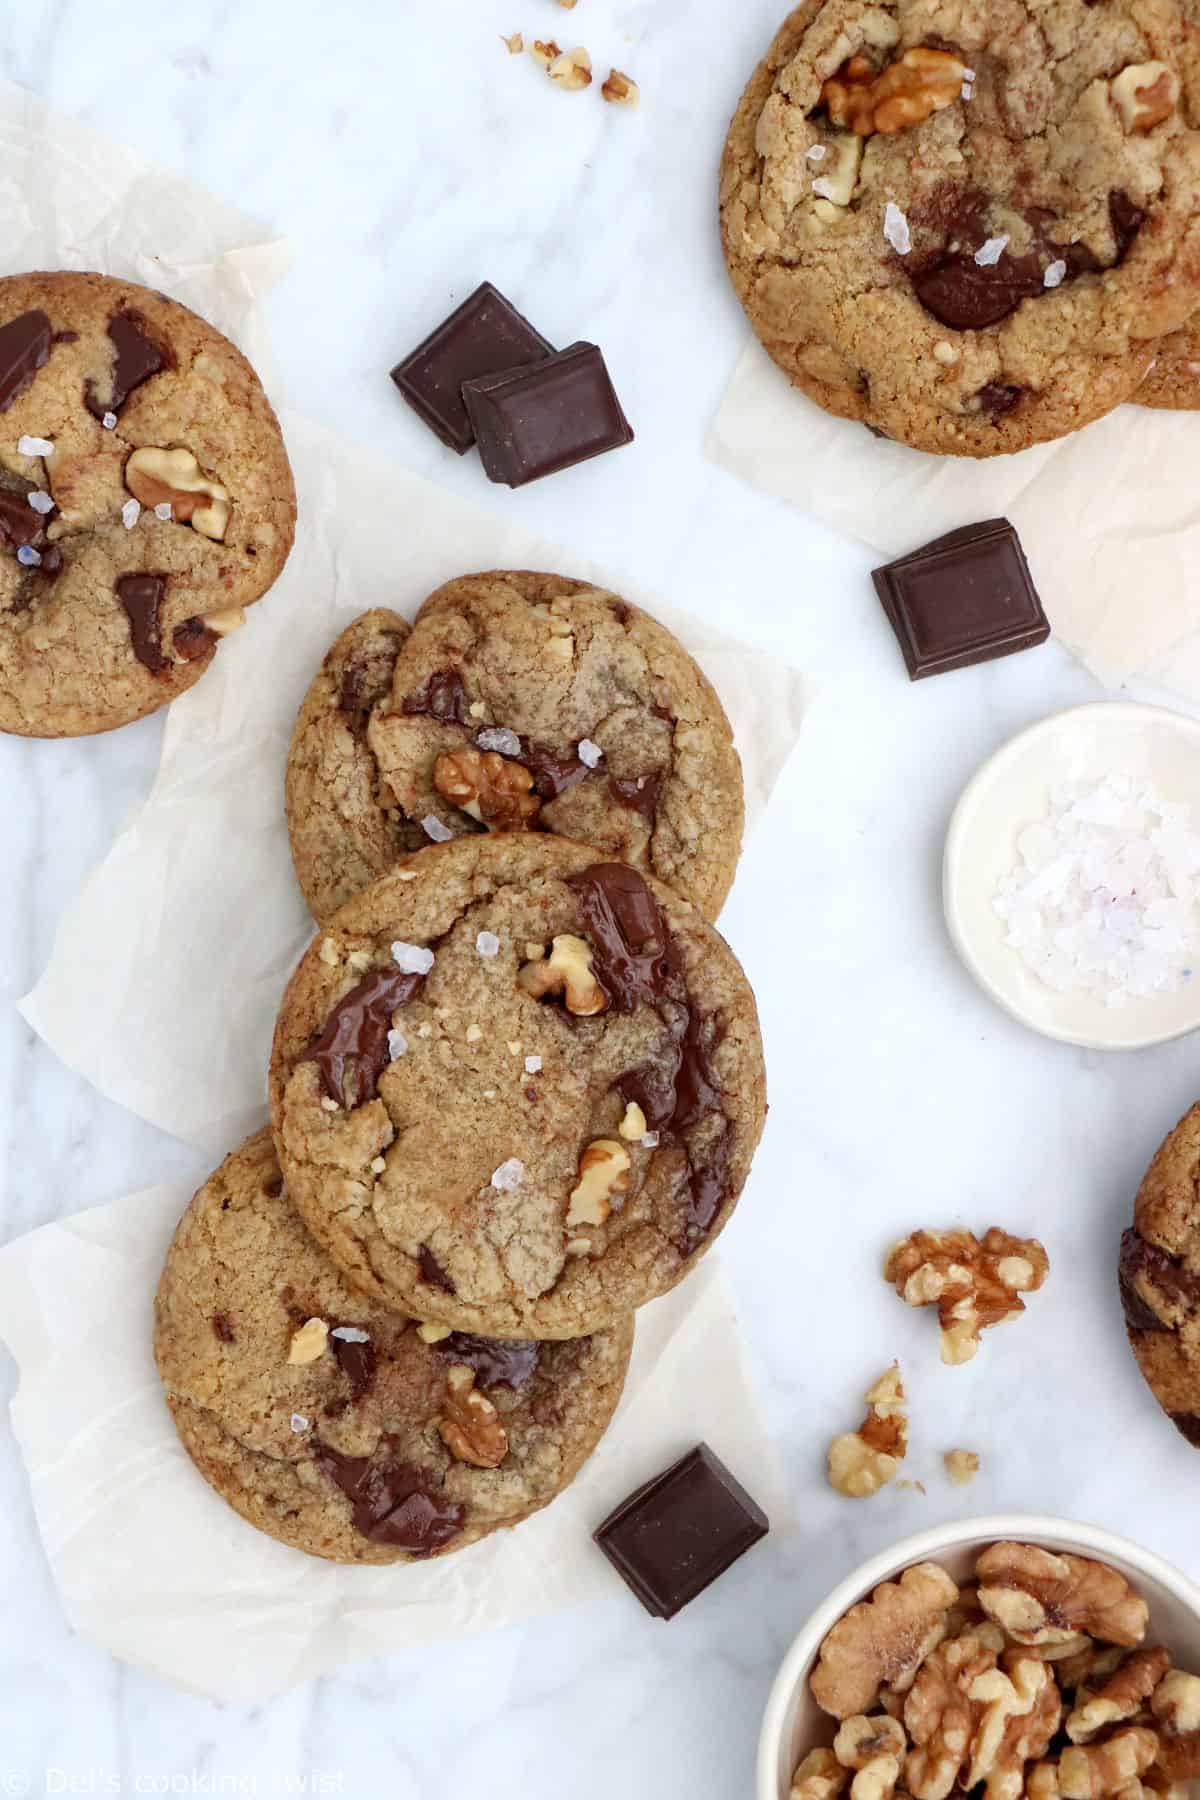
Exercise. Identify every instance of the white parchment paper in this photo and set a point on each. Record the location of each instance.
(1110, 518)
(151, 1563)
(168, 967)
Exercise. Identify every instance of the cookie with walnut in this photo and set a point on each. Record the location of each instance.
(339, 1426)
(515, 1088)
(1160, 1277)
(145, 500)
(518, 702)
(967, 226)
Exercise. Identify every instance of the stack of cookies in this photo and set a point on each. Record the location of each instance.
(973, 228)
(517, 1079)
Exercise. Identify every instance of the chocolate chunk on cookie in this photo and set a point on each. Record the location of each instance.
(1160, 1277)
(518, 701)
(571, 1100)
(329, 1421)
(145, 500)
(967, 228)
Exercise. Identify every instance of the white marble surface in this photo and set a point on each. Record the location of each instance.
(406, 157)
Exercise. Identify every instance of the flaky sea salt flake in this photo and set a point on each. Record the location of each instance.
(397, 1044)
(41, 502)
(509, 1176)
(412, 959)
(28, 556)
(435, 830)
(164, 510)
(34, 446)
(1055, 275)
(816, 153)
(299, 1422)
(131, 512)
(895, 229)
(351, 1334)
(487, 944)
(588, 753)
(990, 252)
(533, 1065)
(109, 421)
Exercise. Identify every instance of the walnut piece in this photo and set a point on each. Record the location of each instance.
(1022, 1713)
(494, 790)
(874, 1748)
(308, 1343)
(174, 478)
(819, 1776)
(1119, 1697)
(919, 83)
(603, 1176)
(882, 1641)
(1144, 94)
(962, 1466)
(470, 1426)
(941, 1716)
(544, 52)
(571, 71)
(514, 44)
(621, 90)
(974, 1283)
(1041, 1598)
(1087, 1666)
(1093, 1771)
(1176, 1707)
(863, 1461)
(566, 971)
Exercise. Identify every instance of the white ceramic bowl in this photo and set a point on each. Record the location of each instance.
(1008, 793)
(793, 1722)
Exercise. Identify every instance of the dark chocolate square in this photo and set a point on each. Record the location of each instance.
(486, 333)
(672, 1538)
(536, 421)
(966, 598)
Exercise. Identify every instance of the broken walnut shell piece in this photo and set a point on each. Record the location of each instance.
(861, 1462)
(470, 1426)
(883, 1641)
(159, 477)
(919, 83)
(566, 971)
(603, 1176)
(1144, 94)
(1120, 1697)
(1042, 1598)
(490, 788)
(974, 1282)
(1094, 1771)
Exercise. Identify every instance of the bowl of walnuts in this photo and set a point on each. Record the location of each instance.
(1007, 1658)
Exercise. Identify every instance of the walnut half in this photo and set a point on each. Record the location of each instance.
(1040, 1598)
(470, 1426)
(489, 787)
(882, 1641)
(973, 1282)
(917, 84)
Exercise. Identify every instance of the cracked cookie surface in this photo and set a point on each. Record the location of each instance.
(518, 701)
(109, 609)
(516, 1089)
(1160, 1277)
(326, 1420)
(983, 253)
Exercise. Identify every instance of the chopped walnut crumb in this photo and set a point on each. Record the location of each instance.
(962, 1466)
(544, 53)
(620, 89)
(514, 44)
(863, 1461)
(571, 72)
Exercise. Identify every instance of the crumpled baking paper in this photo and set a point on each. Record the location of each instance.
(168, 966)
(1109, 518)
(151, 1563)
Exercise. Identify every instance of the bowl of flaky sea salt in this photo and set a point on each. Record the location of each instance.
(1072, 876)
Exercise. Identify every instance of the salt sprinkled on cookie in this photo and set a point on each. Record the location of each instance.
(299, 1422)
(164, 510)
(824, 188)
(435, 830)
(1104, 898)
(533, 1065)
(487, 944)
(990, 252)
(397, 1045)
(412, 959)
(589, 754)
(131, 512)
(651, 1140)
(816, 153)
(1055, 275)
(40, 502)
(509, 1176)
(29, 556)
(351, 1334)
(500, 739)
(895, 229)
(109, 421)
(34, 446)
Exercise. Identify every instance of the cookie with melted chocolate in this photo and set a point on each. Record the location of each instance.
(556, 1116)
(105, 604)
(1160, 1277)
(351, 1453)
(967, 227)
(595, 722)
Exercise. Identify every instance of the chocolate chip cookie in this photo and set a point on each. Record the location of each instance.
(145, 500)
(339, 1426)
(1160, 1277)
(967, 226)
(516, 1088)
(519, 702)
(1174, 378)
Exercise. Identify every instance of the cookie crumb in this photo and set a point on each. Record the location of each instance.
(397, 1045)
(509, 1176)
(533, 1065)
(41, 502)
(895, 229)
(487, 944)
(328, 952)
(474, 1033)
(131, 512)
(435, 830)
(588, 753)
(329, 1105)
(412, 959)
(406, 874)
(34, 446)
